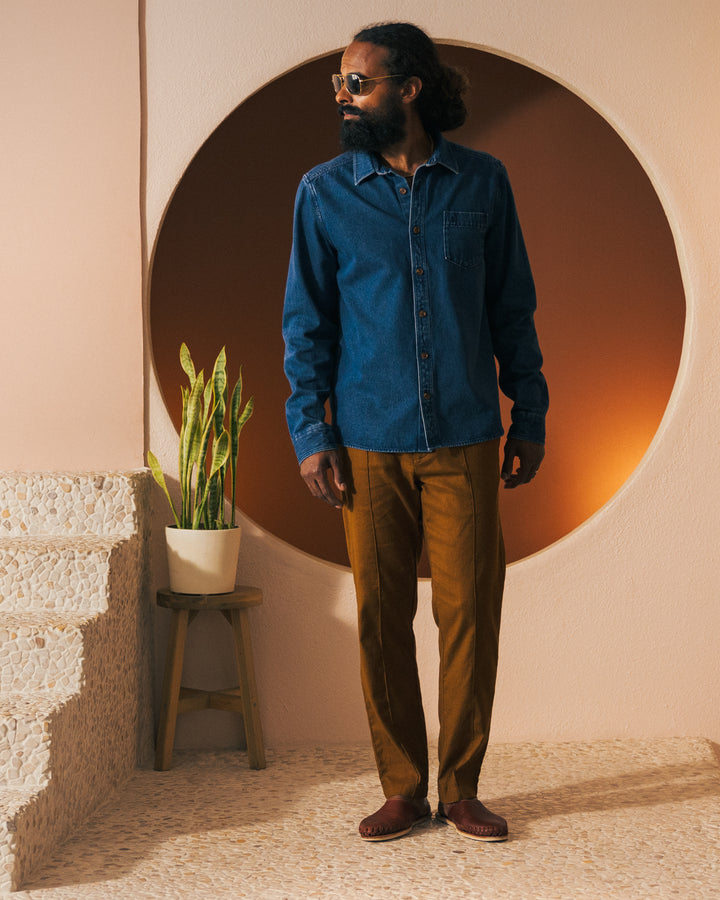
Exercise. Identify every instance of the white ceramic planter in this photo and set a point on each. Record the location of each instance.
(202, 562)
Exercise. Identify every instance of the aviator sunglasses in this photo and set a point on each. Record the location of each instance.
(355, 84)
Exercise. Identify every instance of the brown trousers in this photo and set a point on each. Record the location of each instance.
(451, 497)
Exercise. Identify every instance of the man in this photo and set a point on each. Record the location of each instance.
(408, 279)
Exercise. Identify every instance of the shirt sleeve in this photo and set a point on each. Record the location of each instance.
(310, 327)
(511, 303)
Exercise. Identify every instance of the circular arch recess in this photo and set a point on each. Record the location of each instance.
(610, 299)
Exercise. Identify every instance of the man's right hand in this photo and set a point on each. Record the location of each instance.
(314, 470)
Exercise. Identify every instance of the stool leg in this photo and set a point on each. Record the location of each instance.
(246, 670)
(171, 689)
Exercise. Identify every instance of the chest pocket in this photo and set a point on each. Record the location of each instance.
(464, 237)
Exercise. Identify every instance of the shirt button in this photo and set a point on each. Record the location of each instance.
(416, 230)
(426, 395)
(422, 313)
(424, 355)
(403, 190)
(418, 271)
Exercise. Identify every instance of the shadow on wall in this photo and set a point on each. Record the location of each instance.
(308, 624)
(611, 305)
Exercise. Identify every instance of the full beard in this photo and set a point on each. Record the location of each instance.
(373, 132)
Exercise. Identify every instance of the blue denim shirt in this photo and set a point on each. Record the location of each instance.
(399, 300)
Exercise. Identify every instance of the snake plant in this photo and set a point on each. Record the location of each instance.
(208, 451)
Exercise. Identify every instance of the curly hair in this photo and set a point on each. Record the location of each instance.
(440, 103)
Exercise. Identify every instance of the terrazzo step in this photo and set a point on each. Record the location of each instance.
(62, 503)
(13, 803)
(42, 650)
(25, 731)
(21, 816)
(75, 712)
(55, 573)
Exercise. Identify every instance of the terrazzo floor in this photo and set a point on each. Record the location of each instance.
(617, 819)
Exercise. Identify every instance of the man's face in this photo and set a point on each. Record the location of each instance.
(375, 120)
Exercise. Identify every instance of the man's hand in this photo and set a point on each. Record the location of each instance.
(530, 456)
(314, 470)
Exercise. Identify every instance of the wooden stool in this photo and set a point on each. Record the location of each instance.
(177, 699)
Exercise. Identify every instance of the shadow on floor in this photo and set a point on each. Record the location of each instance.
(205, 793)
(664, 784)
(172, 822)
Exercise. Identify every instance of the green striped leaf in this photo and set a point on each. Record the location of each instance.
(203, 433)
(219, 380)
(187, 364)
(157, 474)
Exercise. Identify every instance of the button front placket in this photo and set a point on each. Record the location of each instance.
(422, 307)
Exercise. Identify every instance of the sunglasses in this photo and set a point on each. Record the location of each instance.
(355, 84)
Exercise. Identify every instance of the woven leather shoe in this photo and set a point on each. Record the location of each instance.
(473, 820)
(396, 817)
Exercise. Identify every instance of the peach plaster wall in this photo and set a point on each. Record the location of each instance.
(71, 391)
(611, 632)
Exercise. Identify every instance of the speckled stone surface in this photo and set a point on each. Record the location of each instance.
(60, 503)
(616, 819)
(75, 643)
(43, 651)
(54, 573)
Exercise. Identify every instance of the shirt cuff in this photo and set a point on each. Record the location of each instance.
(313, 440)
(527, 426)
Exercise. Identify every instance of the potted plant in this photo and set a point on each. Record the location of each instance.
(202, 545)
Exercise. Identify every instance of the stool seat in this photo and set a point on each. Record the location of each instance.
(177, 699)
(242, 597)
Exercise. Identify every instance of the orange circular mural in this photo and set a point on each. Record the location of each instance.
(611, 308)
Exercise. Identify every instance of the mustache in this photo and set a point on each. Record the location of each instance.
(353, 110)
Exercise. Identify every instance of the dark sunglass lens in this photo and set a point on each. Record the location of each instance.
(337, 82)
(353, 83)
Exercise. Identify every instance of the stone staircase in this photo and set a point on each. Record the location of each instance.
(75, 646)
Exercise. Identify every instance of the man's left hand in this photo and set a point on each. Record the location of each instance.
(529, 454)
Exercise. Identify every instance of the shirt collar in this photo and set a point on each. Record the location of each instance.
(367, 164)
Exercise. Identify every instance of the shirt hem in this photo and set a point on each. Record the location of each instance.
(354, 445)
